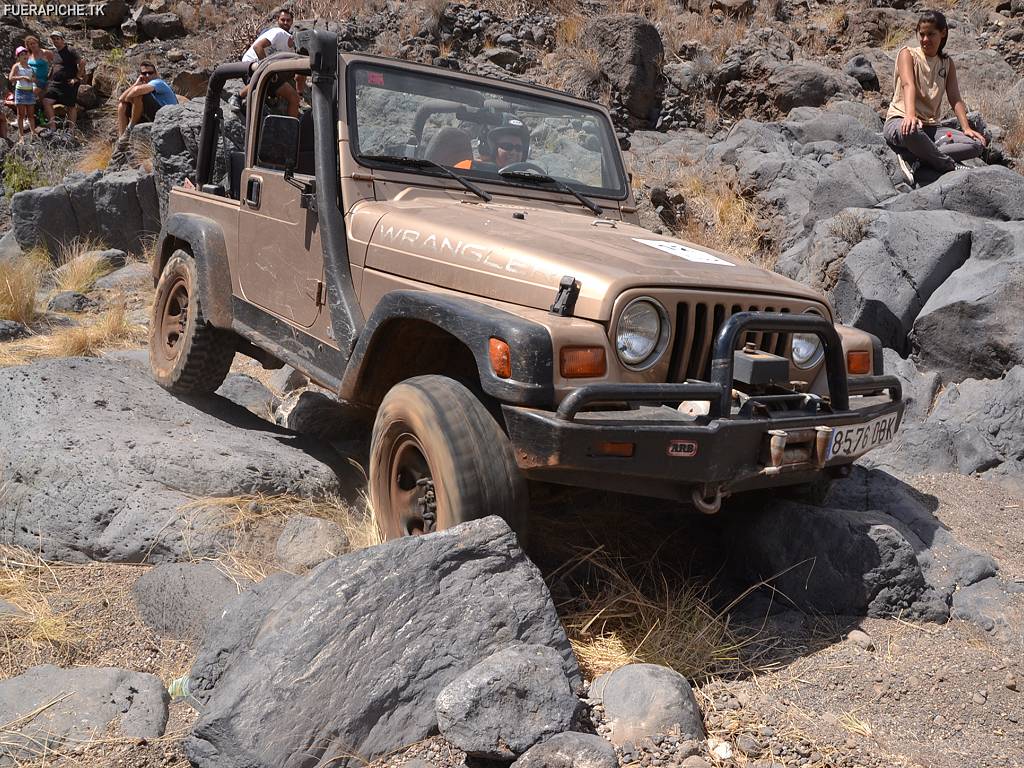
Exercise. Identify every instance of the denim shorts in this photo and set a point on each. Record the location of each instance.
(24, 97)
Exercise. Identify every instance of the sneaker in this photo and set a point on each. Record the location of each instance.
(236, 103)
(909, 169)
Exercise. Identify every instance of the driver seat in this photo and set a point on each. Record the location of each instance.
(450, 146)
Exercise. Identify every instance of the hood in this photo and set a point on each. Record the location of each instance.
(518, 254)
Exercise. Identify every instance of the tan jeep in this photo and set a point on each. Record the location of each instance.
(462, 256)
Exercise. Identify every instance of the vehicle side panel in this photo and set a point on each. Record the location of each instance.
(205, 225)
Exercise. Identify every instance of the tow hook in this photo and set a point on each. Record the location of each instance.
(705, 504)
(428, 504)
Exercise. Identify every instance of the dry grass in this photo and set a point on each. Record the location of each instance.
(35, 629)
(634, 611)
(853, 724)
(432, 14)
(111, 330)
(717, 39)
(849, 227)
(720, 217)
(894, 38)
(79, 267)
(255, 521)
(1008, 114)
(581, 75)
(569, 31)
(19, 281)
(95, 156)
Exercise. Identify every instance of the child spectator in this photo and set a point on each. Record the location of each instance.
(24, 81)
(923, 74)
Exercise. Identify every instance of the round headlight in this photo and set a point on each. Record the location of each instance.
(641, 333)
(807, 350)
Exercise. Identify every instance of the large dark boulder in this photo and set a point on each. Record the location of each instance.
(810, 166)
(761, 74)
(508, 702)
(981, 72)
(859, 67)
(629, 49)
(161, 26)
(121, 209)
(49, 710)
(808, 84)
(109, 14)
(971, 326)
(44, 216)
(348, 660)
(811, 124)
(993, 192)
(103, 464)
(175, 137)
(880, 268)
(976, 427)
(847, 562)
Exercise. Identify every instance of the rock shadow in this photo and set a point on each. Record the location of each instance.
(345, 458)
(788, 577)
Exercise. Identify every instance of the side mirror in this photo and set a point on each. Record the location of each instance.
(279, 142)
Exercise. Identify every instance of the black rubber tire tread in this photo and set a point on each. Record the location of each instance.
(206, 352)
(470, 457)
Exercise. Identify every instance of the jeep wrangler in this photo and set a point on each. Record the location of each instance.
(462, 256)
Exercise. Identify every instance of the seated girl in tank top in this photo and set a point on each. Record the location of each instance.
(923, 75)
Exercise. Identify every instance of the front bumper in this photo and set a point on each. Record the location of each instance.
(771, 440)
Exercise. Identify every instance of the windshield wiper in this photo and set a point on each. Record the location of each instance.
(560, 186)
(422, 162)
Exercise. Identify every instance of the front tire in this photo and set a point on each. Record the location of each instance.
(438, 458)
(186, 354)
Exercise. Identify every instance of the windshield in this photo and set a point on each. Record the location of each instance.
(480, 130)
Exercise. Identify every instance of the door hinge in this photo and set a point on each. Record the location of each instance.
(319, 293)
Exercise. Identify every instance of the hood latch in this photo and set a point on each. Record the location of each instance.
(565, 299)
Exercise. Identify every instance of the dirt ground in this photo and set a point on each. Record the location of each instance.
(802, 694)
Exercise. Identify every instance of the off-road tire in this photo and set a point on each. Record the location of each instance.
(186, 354)
(466, 456)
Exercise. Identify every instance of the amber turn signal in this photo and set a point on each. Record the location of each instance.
(581, 362)
(858, 362)
(501, 358)
(625, 450)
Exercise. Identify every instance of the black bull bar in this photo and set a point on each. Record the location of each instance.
(718, 392)
(704, 457)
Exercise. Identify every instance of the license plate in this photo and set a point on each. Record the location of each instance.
(856, 439)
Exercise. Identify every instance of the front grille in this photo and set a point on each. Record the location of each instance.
(697, 325)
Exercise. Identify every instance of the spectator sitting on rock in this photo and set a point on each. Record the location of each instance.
(24, 80)
(275, 40)
(40, 60)
(923, 74)
(142, 99)
(66, 75)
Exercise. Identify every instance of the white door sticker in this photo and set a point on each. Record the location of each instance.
(684, 251)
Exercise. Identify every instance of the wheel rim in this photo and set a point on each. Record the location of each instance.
(412, 507)
(174, 319)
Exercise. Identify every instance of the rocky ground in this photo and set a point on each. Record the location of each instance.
(151, 542)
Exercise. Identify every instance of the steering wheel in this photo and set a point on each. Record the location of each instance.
(523, 167)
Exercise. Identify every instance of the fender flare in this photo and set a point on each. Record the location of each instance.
(204, 238)
(473, 324)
